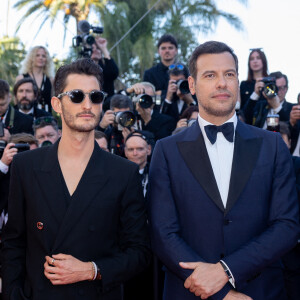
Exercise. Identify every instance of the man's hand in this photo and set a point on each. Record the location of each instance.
(172, 88)
(107, 119)
(187, 98)
(126, 132)
(259, 85)
(6, 135)
(182, 123)
(233, 295)
(101, 44)
(8, 154)
(295, 114)
(137, 88)
(145, 113)
(66, 269)
(206, 280)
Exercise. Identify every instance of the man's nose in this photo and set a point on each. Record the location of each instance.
(221, 83)
(87, 103)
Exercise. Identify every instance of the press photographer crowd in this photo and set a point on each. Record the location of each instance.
(102, 202)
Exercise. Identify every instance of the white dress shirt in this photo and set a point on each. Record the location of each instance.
(220, 156)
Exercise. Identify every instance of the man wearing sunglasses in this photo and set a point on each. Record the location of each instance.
(158, 75)
(77, 224)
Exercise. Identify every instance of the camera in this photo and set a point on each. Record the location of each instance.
(183, 86)
(270, 88)
(87, 38)
(125, 118)
(144, 100)
(21, 147)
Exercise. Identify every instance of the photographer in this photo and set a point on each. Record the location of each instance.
(178, 96)
(274, 89)
(150, 119)
(100, 55)
(115, 132)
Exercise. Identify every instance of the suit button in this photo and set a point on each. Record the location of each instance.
(222, 255)
(226, 222)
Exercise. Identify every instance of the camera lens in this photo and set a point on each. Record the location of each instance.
(145, 101)
(183, 86)
(125, 118)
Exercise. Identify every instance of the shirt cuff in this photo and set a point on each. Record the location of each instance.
(231, 280)
(3, 167)
(278, 109)
(254, 96)
(168, 101)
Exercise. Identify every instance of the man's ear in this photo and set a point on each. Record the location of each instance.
(192, 85)
(56, 104)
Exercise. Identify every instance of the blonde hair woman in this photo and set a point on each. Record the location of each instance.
(39, 66)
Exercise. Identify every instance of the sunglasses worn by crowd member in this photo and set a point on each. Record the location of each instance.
(77, 96)
(176, 66)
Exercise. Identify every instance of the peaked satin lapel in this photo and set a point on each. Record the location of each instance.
(246, 151)
(196, 157)
(92, 181)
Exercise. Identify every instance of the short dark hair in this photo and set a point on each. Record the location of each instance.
(25, 80)
(121, 101)
(211, 47)
(278, 75)
(175, 71)
(4, 88)
(167, 38)
(100, 135)
(284, 129)
(23, 138)
(83, 66)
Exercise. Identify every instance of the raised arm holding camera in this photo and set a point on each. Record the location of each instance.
(274, 89)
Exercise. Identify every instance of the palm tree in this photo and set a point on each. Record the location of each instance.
(12, 52)
(48, 9)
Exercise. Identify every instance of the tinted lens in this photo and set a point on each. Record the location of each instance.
(96, 97)
(76, 96)
(48, 120)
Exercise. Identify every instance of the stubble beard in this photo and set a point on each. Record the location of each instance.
(70, 121)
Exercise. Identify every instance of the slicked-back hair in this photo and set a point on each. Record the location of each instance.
(25, 80)
(264, 62)
(211, 47)
(83, 66)
(4, 88)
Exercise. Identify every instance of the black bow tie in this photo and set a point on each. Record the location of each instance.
(227, 129)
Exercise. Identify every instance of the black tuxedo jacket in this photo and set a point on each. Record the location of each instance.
(105, 222)
(160, 125)
(21, 122)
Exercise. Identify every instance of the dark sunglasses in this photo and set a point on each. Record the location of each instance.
(77, 96)
(47, 120)
(176, 66)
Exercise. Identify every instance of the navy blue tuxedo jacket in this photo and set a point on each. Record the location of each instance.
(189, 222)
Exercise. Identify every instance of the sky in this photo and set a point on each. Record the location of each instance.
(273, 25)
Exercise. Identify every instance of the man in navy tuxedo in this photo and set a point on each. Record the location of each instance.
(222, 199)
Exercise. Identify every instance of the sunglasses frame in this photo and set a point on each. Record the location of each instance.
(69, 93)
(45, 119)
(176, 66)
